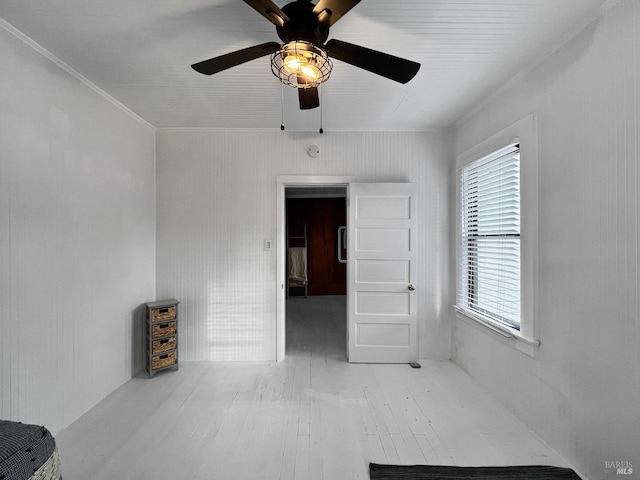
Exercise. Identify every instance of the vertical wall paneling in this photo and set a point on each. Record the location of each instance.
(581, 393)
(217, 203)
(77, 239)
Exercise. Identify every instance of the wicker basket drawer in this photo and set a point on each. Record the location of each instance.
(162, 361)
(163, 329)
(163, 314)
(163, 345)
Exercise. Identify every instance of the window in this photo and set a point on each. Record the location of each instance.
(497, 235)
(489, 284)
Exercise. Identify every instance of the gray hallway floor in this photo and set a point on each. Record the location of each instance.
(317, 326)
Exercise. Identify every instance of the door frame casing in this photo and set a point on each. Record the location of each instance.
(282, 182)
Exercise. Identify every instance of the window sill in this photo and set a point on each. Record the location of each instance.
(517, 340)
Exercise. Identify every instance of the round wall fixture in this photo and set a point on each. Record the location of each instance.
(313, 151)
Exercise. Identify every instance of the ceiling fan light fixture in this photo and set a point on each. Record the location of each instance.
(301, 64)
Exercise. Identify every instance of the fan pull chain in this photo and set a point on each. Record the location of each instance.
(282, 106)
(320, 95)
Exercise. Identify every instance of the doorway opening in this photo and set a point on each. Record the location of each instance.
(382, 303)
(316, 270)
(314, 202)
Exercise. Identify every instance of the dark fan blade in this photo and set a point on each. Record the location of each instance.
(394, 68)
(218, 64)
(269, 10)
(330, 11)
(308, 98)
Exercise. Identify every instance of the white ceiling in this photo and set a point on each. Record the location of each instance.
(140, 52)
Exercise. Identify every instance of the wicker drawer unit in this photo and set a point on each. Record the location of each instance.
(161, 339)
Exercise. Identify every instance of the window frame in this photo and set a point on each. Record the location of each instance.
(524, 133)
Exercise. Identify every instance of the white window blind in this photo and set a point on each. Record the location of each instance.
(489, 283)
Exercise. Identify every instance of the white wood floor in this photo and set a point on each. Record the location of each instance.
(313, 416)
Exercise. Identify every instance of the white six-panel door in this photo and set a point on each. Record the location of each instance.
(382, 294)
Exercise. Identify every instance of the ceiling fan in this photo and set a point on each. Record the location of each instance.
(304, 61)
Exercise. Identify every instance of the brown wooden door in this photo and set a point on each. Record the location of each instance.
(322, 217)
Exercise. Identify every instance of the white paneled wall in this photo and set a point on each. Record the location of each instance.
(77, 239)
(581, 393)
(216, 202)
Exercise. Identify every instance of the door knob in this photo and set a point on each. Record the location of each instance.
(411, 287)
